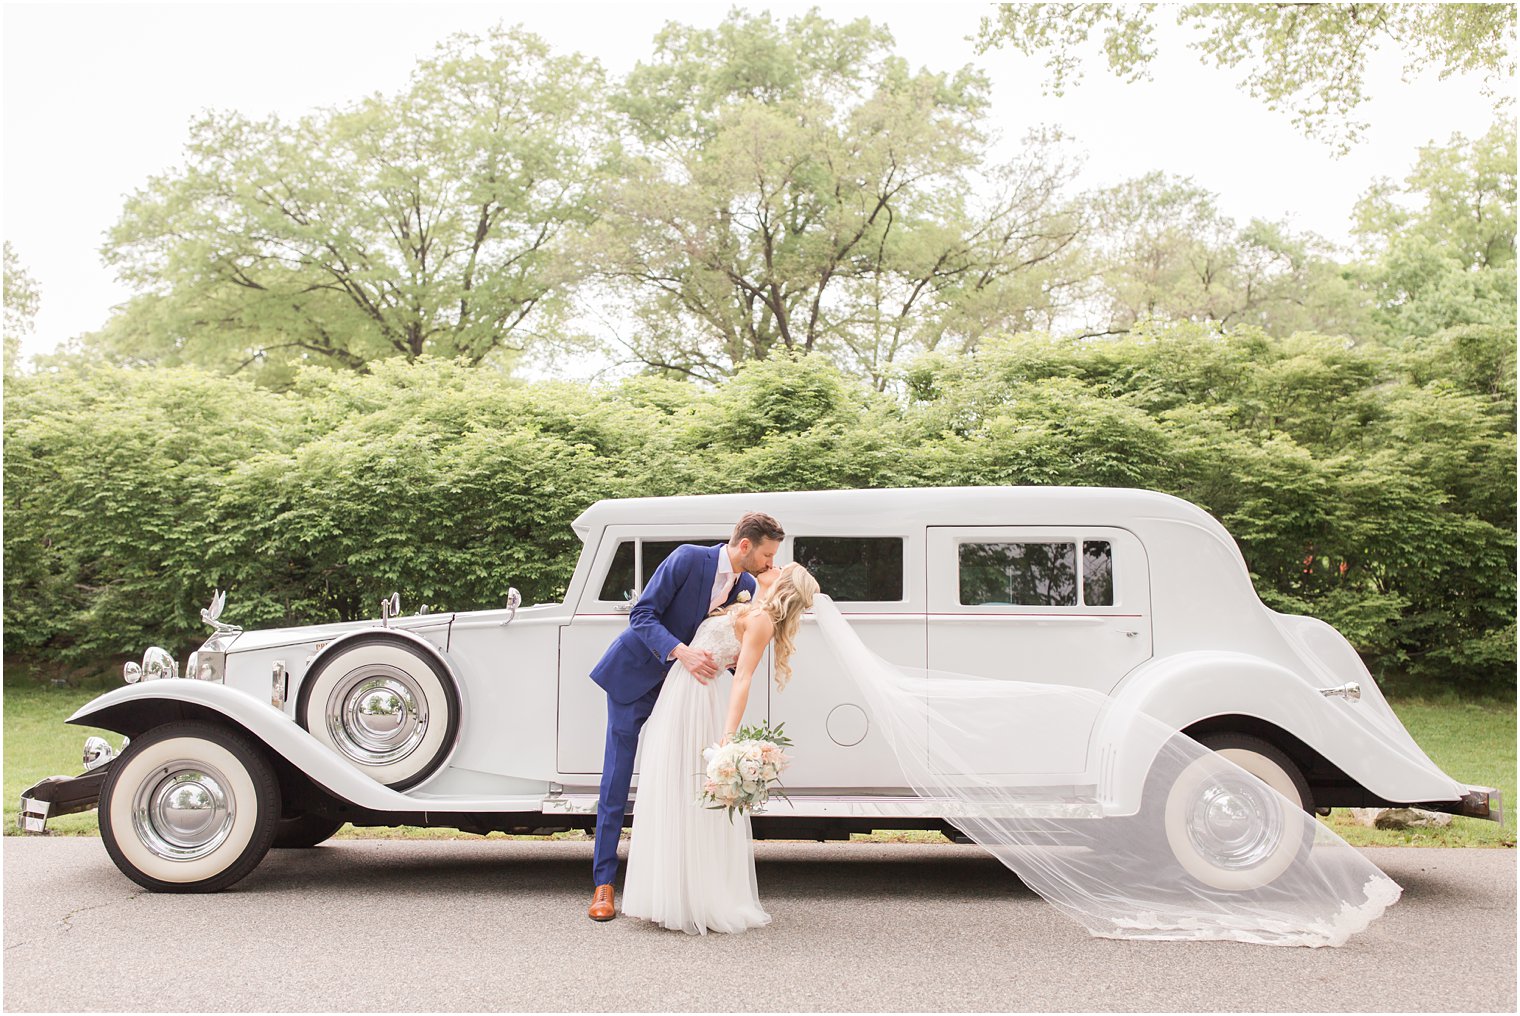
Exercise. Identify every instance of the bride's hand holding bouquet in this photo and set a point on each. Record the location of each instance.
(741, 769)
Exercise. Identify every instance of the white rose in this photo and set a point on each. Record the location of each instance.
(744, 596)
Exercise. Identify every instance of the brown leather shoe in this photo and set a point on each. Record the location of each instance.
(601, 904)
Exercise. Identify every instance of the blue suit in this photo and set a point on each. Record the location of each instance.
(633, 669)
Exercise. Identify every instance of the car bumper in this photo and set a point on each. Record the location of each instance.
(60, 795)
(1478, 802)
(1484, 802)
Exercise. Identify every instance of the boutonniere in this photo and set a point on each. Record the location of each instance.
(744, 596)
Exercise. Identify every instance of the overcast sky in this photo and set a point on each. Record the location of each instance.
(97, 98)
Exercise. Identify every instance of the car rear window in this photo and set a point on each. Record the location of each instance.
(1036, 574)
(1040, 574)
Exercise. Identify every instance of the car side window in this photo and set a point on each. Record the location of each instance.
(1040, 574)
(656, 551)
(623, 576)
(853, 568)
(1097, 573)
(620, 578)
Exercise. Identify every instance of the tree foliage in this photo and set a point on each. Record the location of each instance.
(424, 223)
(802, 224)
(1440, 245)
(1368, 485)
(757, 187)
(22, 300)
(1307, 59)
(1159, 248)
(797, 186)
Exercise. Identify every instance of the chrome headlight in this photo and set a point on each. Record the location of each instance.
(207, 665)
(158, 665)
(97, 752)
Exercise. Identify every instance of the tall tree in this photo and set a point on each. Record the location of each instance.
(797, 186)
(1160, 248)
(422, 223)
(1441, 244)
(22, 299)
(1307, 58)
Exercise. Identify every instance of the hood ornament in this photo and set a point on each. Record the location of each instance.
(211, 613)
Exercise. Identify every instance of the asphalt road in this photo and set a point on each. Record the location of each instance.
(397, 925)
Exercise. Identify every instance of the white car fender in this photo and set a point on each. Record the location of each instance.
(1184, 689)
(120, 709)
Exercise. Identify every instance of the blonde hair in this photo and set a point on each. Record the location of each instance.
(792, 594)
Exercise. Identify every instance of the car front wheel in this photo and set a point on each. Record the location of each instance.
(189, 807)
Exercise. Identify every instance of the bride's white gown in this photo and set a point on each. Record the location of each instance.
(1129, 875)
(689, 867)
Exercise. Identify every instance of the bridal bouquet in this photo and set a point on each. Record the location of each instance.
(740, 773)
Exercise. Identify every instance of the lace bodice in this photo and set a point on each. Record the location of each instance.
(716, 635)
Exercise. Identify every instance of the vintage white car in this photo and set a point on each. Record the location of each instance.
(486, 720)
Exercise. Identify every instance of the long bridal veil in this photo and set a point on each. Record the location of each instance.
(1157, 838)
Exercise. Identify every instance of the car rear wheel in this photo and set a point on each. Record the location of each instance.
(385, 706)
(1265, 761)
(189, 807)
(1233, 831)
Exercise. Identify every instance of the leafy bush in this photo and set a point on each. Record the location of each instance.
(1373, 486)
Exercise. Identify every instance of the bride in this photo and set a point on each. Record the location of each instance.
(689, 867)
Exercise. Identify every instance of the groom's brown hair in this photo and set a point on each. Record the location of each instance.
(754, 527)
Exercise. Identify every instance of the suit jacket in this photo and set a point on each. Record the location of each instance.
(672, 606)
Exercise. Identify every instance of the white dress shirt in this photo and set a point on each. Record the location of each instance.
(723, 580)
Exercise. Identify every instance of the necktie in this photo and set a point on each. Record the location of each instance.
(728, 587)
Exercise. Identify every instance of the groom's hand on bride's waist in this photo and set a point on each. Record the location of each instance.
(699, 662)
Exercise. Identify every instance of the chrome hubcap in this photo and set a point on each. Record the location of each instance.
(377, 715)
(1234, 825)
(183, 810)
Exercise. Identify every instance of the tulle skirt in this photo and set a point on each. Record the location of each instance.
(689, 867)
(1168, 840)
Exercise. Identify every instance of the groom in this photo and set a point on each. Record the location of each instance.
(690, 583)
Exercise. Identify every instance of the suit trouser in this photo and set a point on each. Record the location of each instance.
(624, 721)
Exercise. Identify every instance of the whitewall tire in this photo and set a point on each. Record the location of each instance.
(386, 707)
(190, 806)
(1231, 832)
(1265, 761)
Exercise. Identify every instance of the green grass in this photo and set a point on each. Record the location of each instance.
(1473, 741)
(39, 744)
